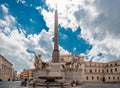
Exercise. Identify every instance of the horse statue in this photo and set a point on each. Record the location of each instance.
(39, 64)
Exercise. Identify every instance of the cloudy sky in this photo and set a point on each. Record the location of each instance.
(87, 27)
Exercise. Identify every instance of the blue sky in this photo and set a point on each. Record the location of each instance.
(27, 27)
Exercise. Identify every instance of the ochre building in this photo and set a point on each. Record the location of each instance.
(6, 70)
(27, 74)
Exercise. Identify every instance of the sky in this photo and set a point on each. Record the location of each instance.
(87, 27)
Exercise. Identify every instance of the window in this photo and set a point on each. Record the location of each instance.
(32, 75)
(84, 70)
(92, 78)
(107, 70)
(113, 77)
(95, 70)
(99, 70)
(115, 69)
(86, 77)
(111, 70)
(97, 78)
(103, 70)
(107, 65)
(109, 77)
(115, 64)
(110, 64)
(118, 78)
(90, 70)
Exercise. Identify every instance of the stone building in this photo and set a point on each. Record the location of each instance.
(14, 74)
(95, 71)
(6, 69)
(24, 74)
(27, 74)
(67, 58)
(112, 71)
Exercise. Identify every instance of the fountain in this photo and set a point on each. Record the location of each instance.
(52, 74)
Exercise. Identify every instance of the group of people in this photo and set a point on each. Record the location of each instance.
(24, 82)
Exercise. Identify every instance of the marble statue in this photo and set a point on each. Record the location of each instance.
(38, 62)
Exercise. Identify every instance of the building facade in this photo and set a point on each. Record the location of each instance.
(14, 74)
(6, 70)
(93, 71)
(27, 74)
(112, 71)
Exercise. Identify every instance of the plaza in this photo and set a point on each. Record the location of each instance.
(17, 84)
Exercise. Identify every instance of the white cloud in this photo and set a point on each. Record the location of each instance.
(12, 43)
(31, 20)
(94, 17)
(13, 48)
(105, 26)
(16, 47)
(41, 44)
(5, 10)
(8, 21)
(98, 19)
(66, 17)
(21, 1)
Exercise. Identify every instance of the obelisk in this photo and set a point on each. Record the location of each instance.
(55, 54)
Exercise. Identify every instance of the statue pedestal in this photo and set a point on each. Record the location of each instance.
(54, 70)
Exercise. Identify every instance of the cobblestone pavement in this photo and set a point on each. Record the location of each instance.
(93, 85)
(99, 85)
(16, 84)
